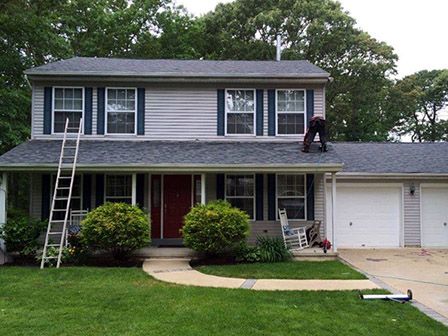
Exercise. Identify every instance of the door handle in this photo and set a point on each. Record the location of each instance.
(351, 224)
(444, 224)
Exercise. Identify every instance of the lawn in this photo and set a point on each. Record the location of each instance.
(331, 269)
(126, 301)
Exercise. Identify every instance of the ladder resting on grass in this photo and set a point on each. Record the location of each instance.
(63, 187)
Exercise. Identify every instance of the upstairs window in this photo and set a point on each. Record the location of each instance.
(240, 111)
(240, 192)
(67, 103)
(291, 195)
(290, 112)
(121, 108)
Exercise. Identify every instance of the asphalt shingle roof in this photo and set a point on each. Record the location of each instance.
(97, 66)
(372, 158)
(190, 153)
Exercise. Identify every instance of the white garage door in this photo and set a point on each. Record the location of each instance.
(435, 216)
(367, 215)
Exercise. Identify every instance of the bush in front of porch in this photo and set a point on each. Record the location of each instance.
(118, 228)
(215, 228)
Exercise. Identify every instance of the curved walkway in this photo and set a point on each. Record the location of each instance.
(180, 272)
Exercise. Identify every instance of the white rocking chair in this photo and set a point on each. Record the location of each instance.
(294, 238)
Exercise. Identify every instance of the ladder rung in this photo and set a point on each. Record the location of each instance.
(55, 233)
(61, 198)
(59, 209)
(53, 257)
(64, 188)
(69, 147)
(57, 221)
(53, 245)
(65, 177)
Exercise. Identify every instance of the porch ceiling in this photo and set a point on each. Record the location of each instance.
(199, 156)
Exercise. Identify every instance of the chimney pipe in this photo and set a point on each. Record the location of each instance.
(279, 48)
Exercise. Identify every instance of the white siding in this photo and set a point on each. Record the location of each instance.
(411, 215)
(174, 113)
(180, 113)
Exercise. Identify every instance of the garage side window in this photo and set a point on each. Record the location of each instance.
(291, 195)
(240, 192)
(119, 188)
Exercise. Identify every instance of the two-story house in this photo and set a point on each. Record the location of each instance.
(166, 134)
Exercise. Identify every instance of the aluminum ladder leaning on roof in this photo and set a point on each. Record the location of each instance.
(57, 222)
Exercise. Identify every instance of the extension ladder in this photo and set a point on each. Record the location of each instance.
(60, 205)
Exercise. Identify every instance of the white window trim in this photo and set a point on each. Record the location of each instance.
(53, 97)
(277, 112)
(234, 197)
(107, 114)
(231, 112)
(133, 190)
(305, 196)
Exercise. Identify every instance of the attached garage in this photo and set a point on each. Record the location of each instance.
(367, 214)
(434, 215)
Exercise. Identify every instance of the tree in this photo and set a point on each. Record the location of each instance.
(421, 98)
(321, 32)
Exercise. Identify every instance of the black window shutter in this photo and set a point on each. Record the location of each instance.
(87, 192)
(309, 106)
(221, 112)
(48, 93)
(140, 192)
(310, 196)
(259, 196)
(271, 197)
(101, 111)
(46, 197)
(88, 111)
(141, 111)
(259, 104)
(271, 113)
(99, 195)
(220, 186)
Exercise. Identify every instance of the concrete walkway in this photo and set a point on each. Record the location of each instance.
(425, 271)
(180, 272)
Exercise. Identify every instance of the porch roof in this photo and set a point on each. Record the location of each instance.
(174, 155)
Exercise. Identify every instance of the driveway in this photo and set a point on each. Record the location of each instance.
(424, 271)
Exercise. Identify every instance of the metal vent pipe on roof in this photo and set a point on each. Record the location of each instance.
(279, 48)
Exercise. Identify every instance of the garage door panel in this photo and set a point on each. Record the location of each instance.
(368, 216)
(434, 217)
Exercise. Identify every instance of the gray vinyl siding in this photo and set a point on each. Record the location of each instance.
(178, 112)
(38, 112)
(411, 215)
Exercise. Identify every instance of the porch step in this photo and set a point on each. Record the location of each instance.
(314, 254)
(166, 253)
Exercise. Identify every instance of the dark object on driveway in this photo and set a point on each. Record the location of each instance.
(317, 125)
(402, 298)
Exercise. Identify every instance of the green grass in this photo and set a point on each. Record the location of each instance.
(331, 269)
(126, 301)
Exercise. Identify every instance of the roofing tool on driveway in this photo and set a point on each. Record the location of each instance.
(402, 298)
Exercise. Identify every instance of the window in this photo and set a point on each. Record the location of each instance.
(291, 195)
(76, 200)
(240, 192)
(119, 188)
(290, 111)
(240, 111)
(120, 111)
(67, 103)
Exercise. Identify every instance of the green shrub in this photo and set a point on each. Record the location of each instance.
(215, 228)
(116, 227)
(248, 254)
(272, 249)
(21, 232)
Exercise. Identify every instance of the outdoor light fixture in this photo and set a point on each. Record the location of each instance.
(412, 189)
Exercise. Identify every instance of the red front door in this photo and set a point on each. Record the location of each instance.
(176, 203)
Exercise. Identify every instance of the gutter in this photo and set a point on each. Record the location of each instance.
(355, 176)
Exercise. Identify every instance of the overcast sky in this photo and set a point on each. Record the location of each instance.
(417, 30)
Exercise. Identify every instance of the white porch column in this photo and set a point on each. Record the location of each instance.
(134, 189)
(203, 189)
(3, 197)
(333, 211)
